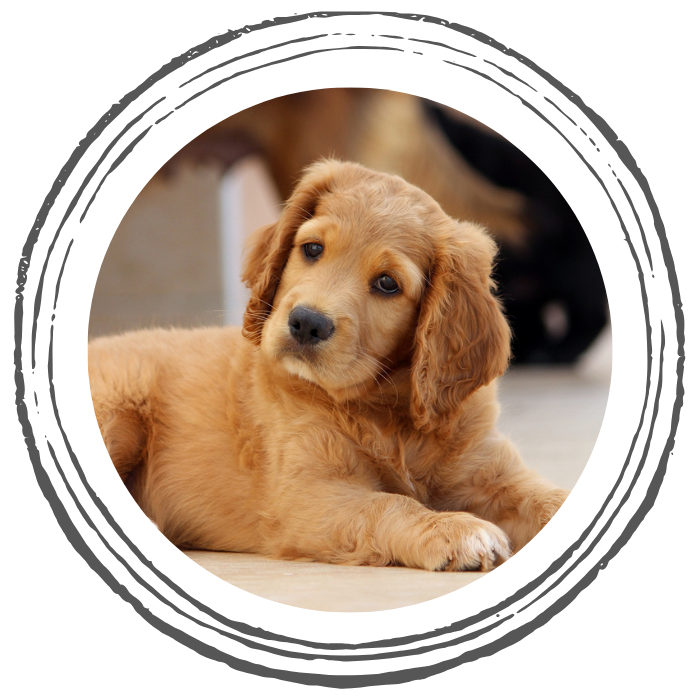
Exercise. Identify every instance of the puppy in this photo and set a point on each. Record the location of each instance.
(352, 420)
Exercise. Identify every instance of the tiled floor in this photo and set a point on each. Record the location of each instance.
(554, 416)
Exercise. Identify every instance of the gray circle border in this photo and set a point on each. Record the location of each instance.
(39, 247)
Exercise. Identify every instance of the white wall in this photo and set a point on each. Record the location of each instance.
(248, 200)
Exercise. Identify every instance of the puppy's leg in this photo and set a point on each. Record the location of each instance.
(349, 524)
(121, 395)
(125, 436)
(495, 485)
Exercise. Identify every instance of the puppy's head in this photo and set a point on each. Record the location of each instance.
(364, 273)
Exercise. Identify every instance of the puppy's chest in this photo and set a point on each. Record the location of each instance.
(405, 463)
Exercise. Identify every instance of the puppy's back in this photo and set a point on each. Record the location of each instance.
(143, 378)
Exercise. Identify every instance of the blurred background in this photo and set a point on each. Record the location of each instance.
(175, 259)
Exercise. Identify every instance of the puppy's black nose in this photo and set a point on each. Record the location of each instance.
(308, 326)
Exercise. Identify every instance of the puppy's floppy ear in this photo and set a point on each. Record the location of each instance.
(260, 274)
(268, 248)
(462, 337)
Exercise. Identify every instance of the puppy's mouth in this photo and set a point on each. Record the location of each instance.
(306, 353)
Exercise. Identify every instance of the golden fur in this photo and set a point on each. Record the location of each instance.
(376, 445)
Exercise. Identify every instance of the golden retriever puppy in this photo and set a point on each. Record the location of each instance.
(352, 420)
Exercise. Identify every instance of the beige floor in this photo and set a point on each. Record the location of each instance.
(330, 587)
(554, 416)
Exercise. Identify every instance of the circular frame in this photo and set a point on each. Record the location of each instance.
(60, 261)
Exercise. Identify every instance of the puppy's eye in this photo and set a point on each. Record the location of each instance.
(312, 250)
(387, 284)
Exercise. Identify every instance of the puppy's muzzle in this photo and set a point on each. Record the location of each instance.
(308, 326)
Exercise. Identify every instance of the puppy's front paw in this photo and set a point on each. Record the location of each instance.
(460, 542)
